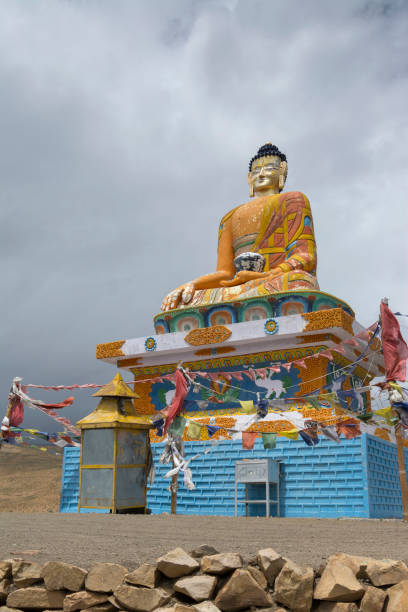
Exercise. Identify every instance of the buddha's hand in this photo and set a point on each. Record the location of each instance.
(182, 294)
(242, 277)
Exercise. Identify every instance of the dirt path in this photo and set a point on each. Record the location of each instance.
(30, 479)
(131, 539)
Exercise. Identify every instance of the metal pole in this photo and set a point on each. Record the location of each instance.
(173, 487)
(402, 471)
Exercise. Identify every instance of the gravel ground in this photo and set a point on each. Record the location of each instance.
(132, 539)
(31, 527)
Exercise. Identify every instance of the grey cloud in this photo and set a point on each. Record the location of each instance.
(126, 130)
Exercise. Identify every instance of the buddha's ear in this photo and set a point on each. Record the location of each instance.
(251, 186)
(283, 173)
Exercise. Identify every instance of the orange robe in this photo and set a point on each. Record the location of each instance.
(286, 240)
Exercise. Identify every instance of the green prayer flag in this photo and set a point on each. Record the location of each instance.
(178, 425)
(269, 440)
(331, 397)
(194, 430)
(314, 400)
(366, 417)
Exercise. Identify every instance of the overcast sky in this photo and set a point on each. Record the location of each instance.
(126, 128)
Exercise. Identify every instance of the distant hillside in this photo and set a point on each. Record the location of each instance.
(30, 479)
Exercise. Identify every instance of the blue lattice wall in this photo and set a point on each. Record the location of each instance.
(384, 492)
(357, 478)
(327, 480)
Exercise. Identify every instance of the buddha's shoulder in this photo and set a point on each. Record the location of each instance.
(295, 198)
(229, 214)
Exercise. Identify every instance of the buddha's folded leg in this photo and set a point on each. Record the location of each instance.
(291, 281)
(287, 281)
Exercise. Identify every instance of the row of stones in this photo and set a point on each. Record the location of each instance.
(179, 582)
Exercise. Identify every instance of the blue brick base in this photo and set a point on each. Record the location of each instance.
(356, 478)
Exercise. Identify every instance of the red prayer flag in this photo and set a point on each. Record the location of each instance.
(248, 439)
(349, 428)
(176, 405)
(393, 344)
(67, 402)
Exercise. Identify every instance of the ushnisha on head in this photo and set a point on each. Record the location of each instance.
(268, 170)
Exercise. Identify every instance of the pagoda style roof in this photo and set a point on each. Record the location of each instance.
(116, 388)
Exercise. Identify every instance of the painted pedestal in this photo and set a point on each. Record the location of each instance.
(235, 355)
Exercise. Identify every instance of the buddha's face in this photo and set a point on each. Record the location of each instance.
(267, 174)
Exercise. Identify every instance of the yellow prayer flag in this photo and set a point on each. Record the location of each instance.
(386, 413)
(292, 434)
(248, 407)
(395, 385)
(194, 430)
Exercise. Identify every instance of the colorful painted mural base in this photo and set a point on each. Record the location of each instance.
(280, 358)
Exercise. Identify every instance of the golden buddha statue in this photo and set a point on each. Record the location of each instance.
(265, 246)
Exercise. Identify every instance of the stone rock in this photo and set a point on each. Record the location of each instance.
(140, 598)
(198, 588)
(83, 600)
(270, 563)
(206, 606)
(241, 591)
(386, 572)
(105, 577)
(26, 574)
(112, 600)
(337, 606)
(203, 550)
(178, 607)
(221, 563)
(5, 569)
(258, 575)
(373, 600)
(16, 564)
(355, 563)
(106, 607)
(294, 587)
(59, 576)
(338, 583)
(4, 590)
(6, 609)
(145, 575)
(177, 563)
(398, 597)
(36, 598)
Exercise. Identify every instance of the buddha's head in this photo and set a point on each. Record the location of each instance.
(267, 171)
